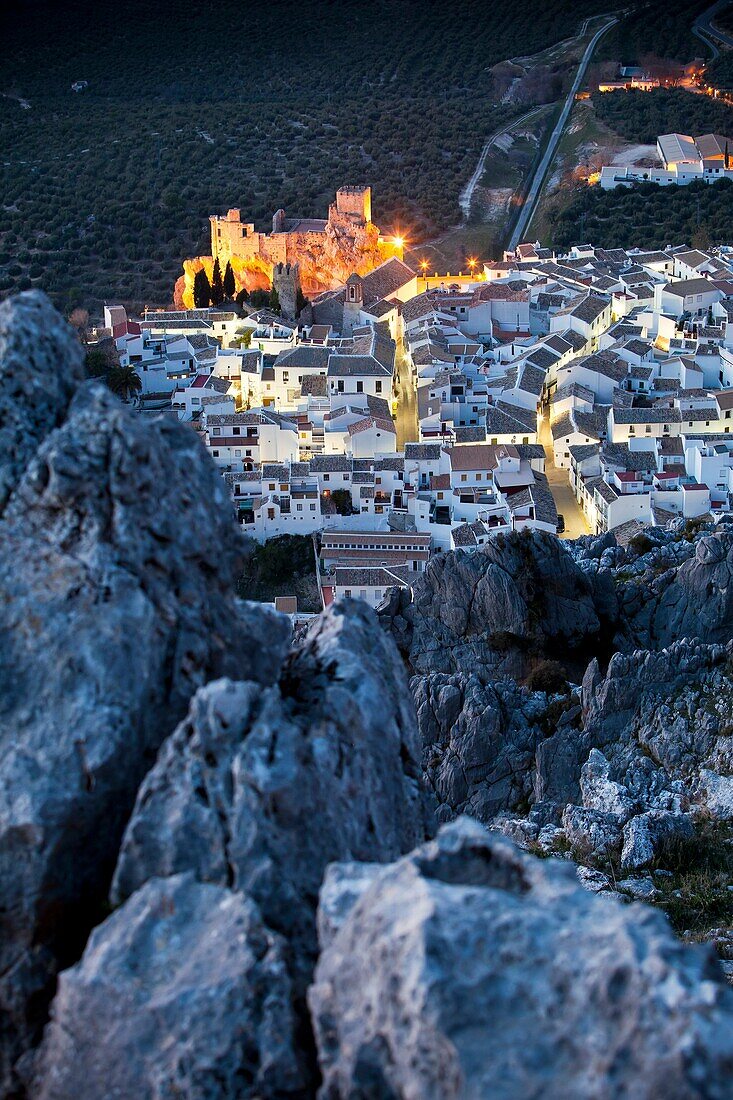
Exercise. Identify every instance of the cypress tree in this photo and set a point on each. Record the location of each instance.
(201, 290)
(274, 300)
(228, 283)
(217, 286)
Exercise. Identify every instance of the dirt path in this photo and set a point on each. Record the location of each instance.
(466, 195)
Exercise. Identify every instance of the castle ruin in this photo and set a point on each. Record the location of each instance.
(326, 251)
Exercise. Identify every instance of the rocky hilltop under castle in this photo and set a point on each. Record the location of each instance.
(326, 251)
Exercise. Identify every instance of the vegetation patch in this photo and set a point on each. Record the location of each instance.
(653, 27)
(697, 894)
(548, 676)
(643, 116)
(699, 214)
(282, 566)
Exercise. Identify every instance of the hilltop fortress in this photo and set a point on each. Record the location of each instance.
(326, 251)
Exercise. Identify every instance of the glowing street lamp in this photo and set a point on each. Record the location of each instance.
(424, 267)
(472, 264)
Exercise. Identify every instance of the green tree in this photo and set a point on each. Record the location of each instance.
(260, 298)
(242, 296)
(217, 285)
(341, 500)
(124, 382)
(228, 282)
(700, 238)
(201, 290)
(274, 302)
(97, 363)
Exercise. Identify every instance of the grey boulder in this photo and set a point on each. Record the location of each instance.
(183, 992)
(592, 834)
(470, 969)
(479, 742)
(520, 598)
(691, 600)
(41, 366)
(259, 790)
(119, 554)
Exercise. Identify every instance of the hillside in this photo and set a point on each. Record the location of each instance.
(700, 214)
(642, 116)
(192, 109)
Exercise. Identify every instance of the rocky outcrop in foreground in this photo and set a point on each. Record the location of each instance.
(184, 960)
(629, 772)
(173, 760)
(259, 790)
(521, 599)
(469, 969)
(115, 606)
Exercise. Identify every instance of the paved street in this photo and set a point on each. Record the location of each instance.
(406, 421)
(557, 479)
(704, 29)
(533, 193)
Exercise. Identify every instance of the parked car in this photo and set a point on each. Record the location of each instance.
(560, 523)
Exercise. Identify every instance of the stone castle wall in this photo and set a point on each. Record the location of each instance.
(349, 242)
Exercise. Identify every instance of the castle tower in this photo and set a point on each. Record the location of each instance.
(355, 204)
(278, 221)
(286, 281)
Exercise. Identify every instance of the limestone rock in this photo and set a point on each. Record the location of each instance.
(479, 742)
(260, 790)
(41, 365)
(693, 600)
(592, 834)
(638, 849)
(182, 992)
(469, 969)
(645, 835)
(519, 598)
(600, 792)
(716, 791)
(650, 727)
(342, 886)
(592, 879)
(641, 889)
(118, 558)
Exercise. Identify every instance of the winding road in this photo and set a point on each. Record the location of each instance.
(533, 192)
(705, 31)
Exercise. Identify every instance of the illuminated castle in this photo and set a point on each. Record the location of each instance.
(326, 251)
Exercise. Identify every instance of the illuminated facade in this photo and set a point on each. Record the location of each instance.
(326, 250)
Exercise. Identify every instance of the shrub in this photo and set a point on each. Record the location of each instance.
(697, 894)
(693, 527)
(341, 500)
(641, 544)
(275, 564)
(548, 676)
